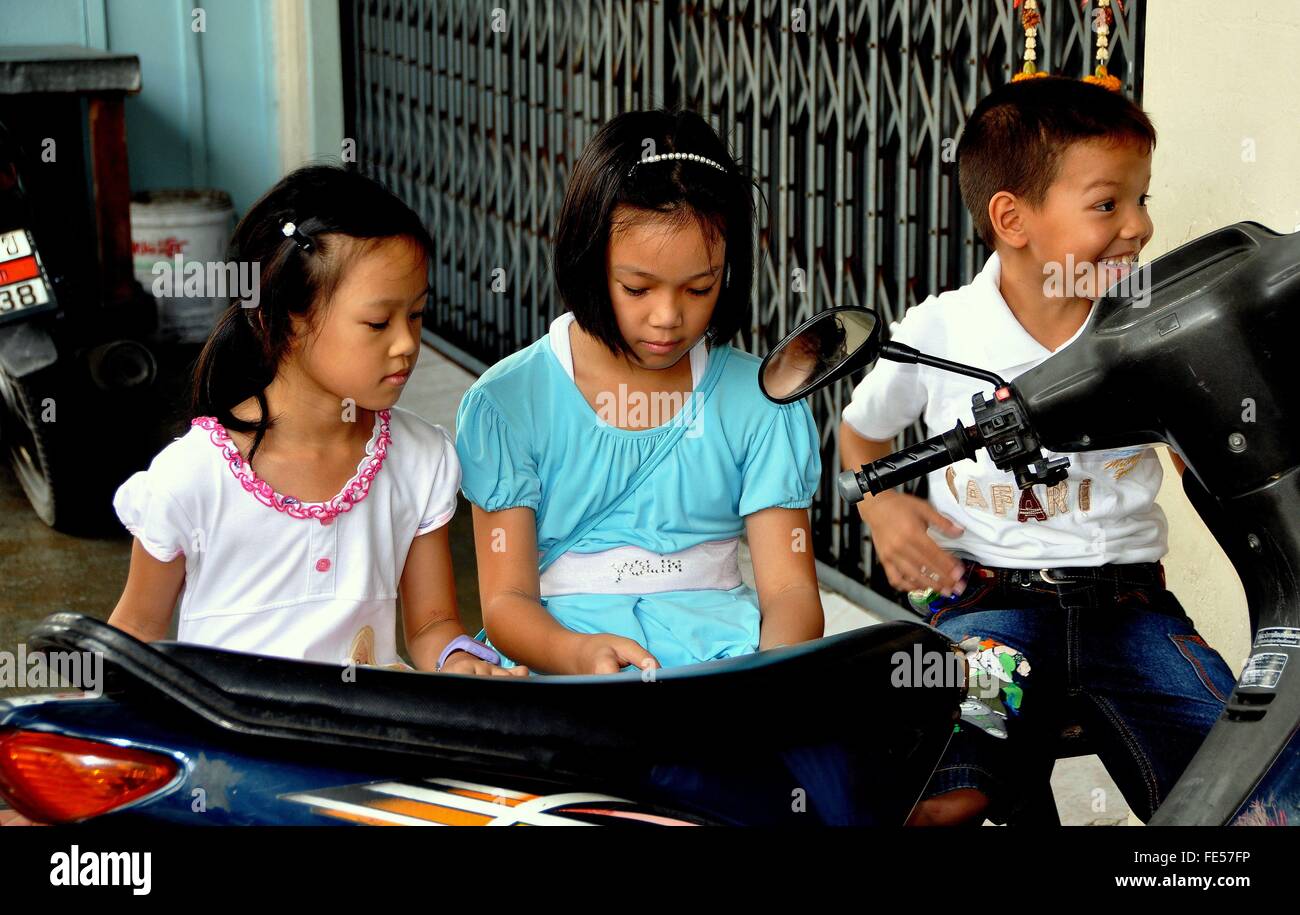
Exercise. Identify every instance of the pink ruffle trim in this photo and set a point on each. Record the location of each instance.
(324, 512)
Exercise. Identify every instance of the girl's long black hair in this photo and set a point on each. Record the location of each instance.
(295, 274)
(611, 171)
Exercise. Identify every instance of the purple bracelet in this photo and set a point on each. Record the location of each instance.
(469, 646)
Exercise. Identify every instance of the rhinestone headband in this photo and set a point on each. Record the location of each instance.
(690, 157)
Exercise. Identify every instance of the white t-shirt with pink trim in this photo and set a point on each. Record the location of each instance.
(281, 582)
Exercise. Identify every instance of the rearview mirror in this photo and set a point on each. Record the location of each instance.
(821, 350)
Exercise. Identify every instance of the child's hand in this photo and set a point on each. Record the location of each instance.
(608, 654)
(900, 534)
(462, 662)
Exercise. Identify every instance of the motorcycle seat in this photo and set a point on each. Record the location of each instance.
(836, 688)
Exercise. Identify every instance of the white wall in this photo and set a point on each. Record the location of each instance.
(1220, 86)
(309, 81)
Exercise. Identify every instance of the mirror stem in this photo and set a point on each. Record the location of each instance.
(901, 352)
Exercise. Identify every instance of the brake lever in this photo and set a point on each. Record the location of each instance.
(1049, 472)
(1003, 424)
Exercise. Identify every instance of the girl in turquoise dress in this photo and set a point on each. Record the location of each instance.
(614, 463)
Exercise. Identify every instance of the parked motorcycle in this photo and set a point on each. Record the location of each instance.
(74, 323)
(190, 734)
(815, 733)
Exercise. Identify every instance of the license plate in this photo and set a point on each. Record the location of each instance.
(24, 288)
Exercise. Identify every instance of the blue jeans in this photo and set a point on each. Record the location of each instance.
(1125, 663)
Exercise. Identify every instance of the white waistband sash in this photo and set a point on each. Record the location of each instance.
(713, 565)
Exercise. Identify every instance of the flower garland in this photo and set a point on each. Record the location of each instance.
(1106, 18)
(1030, 19)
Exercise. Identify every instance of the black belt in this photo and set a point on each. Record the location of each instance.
(1132, 575)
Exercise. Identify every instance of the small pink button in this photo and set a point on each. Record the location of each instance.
(322, 565)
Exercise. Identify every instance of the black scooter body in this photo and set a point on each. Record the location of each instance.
(1204, 360)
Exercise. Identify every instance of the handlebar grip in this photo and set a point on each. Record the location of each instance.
(902, 466)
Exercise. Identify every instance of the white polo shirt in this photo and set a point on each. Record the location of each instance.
(1106, 511)
(260, 580)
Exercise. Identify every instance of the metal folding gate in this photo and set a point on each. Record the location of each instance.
(847, 113)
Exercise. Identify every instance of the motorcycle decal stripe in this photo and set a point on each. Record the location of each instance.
(357, 813)
(551, 801)
(482, 792)
(356, 818)
(353, 802)
(447, 816)
(490, 798)
(502, 815)
(629, 815)
(484, 789)
(462, 804)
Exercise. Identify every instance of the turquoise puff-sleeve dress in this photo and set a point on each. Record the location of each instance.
(526, 436)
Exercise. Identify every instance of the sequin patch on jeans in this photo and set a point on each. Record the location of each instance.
(996, 675)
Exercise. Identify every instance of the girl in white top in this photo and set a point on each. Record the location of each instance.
(302, 501)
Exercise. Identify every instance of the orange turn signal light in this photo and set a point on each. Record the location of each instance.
(51, 778)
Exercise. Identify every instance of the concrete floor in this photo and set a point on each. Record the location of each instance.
(43, 571)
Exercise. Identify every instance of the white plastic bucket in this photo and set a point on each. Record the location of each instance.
(194, 224)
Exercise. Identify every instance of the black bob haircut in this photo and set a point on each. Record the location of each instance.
(328, 205)
(1017, 134)
(610, 173)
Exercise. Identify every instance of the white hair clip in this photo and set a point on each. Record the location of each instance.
(689, 157)
(300, 238)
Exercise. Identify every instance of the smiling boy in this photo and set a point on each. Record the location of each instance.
(1065, 579)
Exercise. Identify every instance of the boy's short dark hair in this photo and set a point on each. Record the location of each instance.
(722, 205)
(1017, 134)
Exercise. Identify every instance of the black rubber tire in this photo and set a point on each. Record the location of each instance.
(56, 469)
(29, 445)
